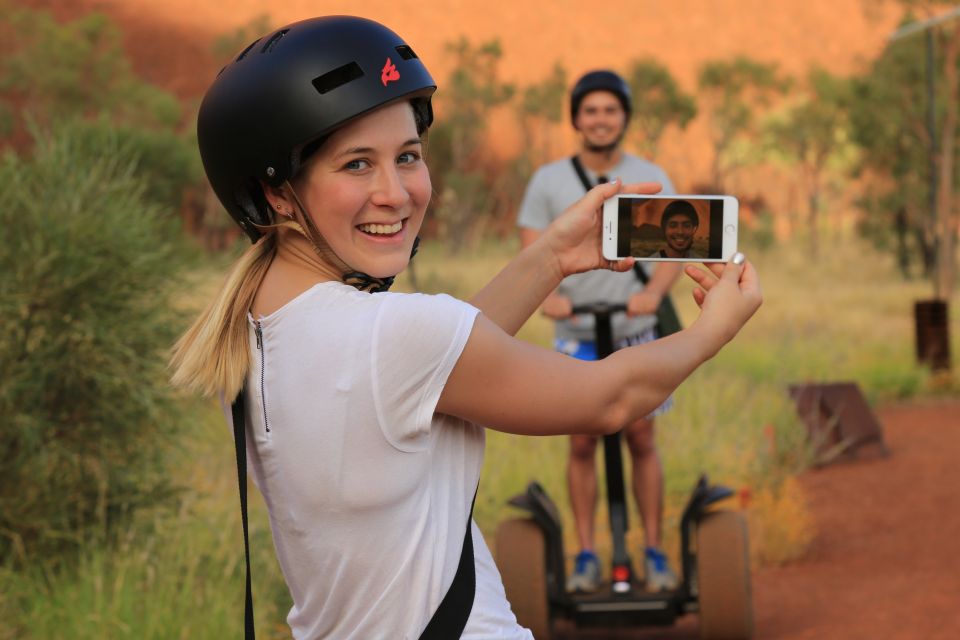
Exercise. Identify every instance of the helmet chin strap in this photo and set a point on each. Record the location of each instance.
(303, 223)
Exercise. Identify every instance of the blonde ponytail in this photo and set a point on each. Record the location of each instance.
(213, 356)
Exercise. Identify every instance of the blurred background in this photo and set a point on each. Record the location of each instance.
(118, 509)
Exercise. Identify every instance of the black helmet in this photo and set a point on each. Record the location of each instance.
(291, 87)
(600, 81)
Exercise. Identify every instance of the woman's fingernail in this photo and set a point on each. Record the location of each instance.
(738, 258)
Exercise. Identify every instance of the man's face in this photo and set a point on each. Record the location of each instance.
(679, 232)
(601, 120)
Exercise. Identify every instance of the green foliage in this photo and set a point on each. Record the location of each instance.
(76, 68)
(732, 91)
(78, 72)
(657, 103)
(166, 161)
(889, 115)
(461, 177)
(539, 111)
(85, 412)
(545, 100)
(812, 132)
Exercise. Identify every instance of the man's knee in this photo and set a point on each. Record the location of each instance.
(583, 448)
(641, 438)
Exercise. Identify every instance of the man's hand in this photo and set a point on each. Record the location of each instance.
(557, 307)
(643, 303)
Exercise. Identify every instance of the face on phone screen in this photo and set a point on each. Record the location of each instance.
(677, 228)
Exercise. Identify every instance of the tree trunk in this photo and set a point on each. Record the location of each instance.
(813, 198)
(947, 219)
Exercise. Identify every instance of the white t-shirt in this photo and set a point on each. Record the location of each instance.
(368, 490)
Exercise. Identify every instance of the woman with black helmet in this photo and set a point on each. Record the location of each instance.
(361, 408)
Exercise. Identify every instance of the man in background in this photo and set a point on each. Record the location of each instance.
(600, 109)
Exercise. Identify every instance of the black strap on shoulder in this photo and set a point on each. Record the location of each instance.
(581, 173)
(641, 273)
(450, 618)
(240, 440)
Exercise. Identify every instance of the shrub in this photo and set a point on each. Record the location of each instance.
(85, 412)
(76, 68)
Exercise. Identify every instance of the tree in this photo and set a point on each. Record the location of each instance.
(731, 91)
(53, 70)
(77, 72)
(539, 110)
(657, 103)
(461, 177)
(943, 31)
(812, 131)
(890, 123)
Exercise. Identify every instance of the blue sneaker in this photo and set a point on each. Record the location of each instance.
(657, 572)
(586, 573)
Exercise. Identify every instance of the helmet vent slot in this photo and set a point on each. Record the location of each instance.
(338, 77)
(274, 39)
(406, 52)
(243, 54)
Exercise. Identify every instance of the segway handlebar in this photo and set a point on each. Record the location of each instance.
(598, 308)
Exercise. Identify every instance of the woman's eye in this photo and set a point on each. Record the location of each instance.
(408, 158)
(356, 165)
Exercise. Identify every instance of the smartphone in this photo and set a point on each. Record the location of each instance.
(670, 228)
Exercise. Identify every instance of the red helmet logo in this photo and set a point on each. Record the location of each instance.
(389, 73)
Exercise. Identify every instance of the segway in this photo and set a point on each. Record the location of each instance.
(714, 578)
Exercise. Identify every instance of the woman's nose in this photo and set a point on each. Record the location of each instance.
(389, 190)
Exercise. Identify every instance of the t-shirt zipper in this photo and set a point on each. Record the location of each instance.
(263, 367)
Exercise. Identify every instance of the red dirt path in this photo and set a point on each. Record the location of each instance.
(885, 563)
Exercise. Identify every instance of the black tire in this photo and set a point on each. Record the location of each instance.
(723, 573)
(521, 558)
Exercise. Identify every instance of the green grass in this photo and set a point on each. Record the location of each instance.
(179, 574)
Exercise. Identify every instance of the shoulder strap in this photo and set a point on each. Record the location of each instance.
(641, 273)
(578, 167)
(240, 440)
(638, 270)
(450, 618)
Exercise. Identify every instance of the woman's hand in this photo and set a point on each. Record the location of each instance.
(728, 294)
(575, 238)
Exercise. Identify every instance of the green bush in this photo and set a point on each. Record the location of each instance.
(85, 412)
(166, 161)
(76, 68)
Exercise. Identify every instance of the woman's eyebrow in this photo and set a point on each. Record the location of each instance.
(362, 150)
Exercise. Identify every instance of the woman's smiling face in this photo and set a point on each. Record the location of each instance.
(367, 189)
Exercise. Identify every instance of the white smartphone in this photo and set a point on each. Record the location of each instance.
(672, 228)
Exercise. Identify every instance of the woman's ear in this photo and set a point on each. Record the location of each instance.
(278, 199)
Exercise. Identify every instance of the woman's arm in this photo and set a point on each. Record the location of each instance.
(509, 385)
(570, 245)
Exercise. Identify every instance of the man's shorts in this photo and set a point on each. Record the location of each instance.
(587, 350)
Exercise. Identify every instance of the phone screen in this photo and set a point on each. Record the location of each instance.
(681, 228)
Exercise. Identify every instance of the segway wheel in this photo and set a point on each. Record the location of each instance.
(521, 558)
(723, 571)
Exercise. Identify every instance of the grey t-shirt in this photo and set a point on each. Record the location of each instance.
(553, 188)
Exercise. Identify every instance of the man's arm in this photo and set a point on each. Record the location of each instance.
(646, 302)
